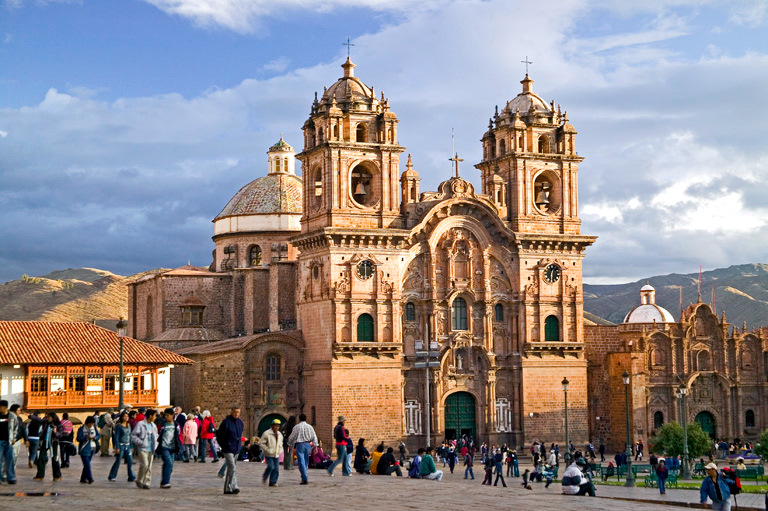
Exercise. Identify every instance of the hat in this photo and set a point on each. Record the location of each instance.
(581, 462)
(739, 459)
(341, 418)
(276, 421)
(711, 466)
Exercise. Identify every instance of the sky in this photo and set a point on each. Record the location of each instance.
(125, 127)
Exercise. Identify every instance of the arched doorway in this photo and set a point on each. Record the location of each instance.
(460, 415)
(707, 422)
(266, 422)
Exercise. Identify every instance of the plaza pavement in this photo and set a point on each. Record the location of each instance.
(196, 486)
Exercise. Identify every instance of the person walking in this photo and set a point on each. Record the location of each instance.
(288, 450)
(498, 460)
(601, 450)
(662, 474)
(9, 427)
(469, 463)
(302, 438)
(144, 439)
(189, 436)
(341, 448)
(106, 429)
(122, 445)
(21, 434)
(403, 452)
(230, 436)
(49, 447)
(170, 445)
(88, 444)
(488, 465)
(271, 443)
(66, 438)
(207, 435)
(716, 489)
(34, 426)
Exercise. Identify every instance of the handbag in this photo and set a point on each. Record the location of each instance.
(71, 449)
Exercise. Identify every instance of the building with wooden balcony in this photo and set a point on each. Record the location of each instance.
(76, 366)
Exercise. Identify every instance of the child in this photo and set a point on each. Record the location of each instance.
(525, 479)
(548, 475)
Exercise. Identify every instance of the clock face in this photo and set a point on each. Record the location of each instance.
(365, 269)
(552, 273)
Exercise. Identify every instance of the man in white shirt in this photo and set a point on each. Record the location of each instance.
(574, 481)
(302, 438)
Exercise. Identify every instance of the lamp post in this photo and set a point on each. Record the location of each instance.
(426, 355)
(121, 332)
(567, 455)
(681, 392)
(630, 476)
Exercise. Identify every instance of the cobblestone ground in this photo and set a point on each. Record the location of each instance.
(196, 484)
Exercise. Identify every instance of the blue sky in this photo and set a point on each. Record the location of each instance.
(126, 126)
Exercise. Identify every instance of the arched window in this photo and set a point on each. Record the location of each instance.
(360, 133)
(658, 420)
(254, 256)
(318, 195)
(336, 132)
(749, 419)
(277, 164)
(410, 312)
(502, 148)
(413, 193)
(272, 367)
(365, 328)
(320, 135)
(459, 314)
(551, 329)
(520, 142)
(498, 309)
(543, 144)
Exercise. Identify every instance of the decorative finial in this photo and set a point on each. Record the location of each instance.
(349, 45)
(409, 165)
(526, 62)
(456, 161)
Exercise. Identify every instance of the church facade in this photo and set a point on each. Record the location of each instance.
(326, 291)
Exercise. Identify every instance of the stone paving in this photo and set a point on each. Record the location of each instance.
(196, 484)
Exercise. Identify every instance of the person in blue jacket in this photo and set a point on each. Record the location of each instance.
(716, 489)
(88, 442)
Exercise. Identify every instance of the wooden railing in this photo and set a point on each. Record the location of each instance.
(94, 399)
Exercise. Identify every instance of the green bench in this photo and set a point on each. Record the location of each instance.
(750, 473)
(698, 470)
(652, 480)
(641, 469)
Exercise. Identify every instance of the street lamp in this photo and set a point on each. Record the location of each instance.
(426, 355)
(567, 456)
(122, 330)
(681, 393)
(630, 477)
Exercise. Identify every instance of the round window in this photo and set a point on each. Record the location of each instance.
(365, 269)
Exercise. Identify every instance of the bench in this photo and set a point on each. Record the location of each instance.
(641, 469)
(652, 480)
(750, 473)
(698, 469)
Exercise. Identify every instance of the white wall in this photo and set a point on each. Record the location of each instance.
(164, 386)
(12, 384)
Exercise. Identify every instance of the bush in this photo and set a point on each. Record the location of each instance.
(761, 447)
(669, 440)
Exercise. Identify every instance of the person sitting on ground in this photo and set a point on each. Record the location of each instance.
(254, 451)
(375, 457)
(363, 459)
(740, 464)
(427, 469)
(388, 464)
(413, 472)
(574, 481)
(319, 458)
(548, 474)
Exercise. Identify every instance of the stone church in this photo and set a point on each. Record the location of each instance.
(326, 290)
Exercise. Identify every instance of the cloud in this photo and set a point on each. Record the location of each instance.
(3, 134)
(277, 65)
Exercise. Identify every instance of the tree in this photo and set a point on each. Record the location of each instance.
(761, 448)
(669, 440)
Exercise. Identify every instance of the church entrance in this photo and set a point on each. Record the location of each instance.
(707, 422)
(459, 415)
(266, 422)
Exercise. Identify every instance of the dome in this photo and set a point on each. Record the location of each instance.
(526, 100)
(281, 145)
(648, 311)
(348, 86)
(269, 195)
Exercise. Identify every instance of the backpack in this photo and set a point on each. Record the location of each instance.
(733, 481)
(414, 471)
(102, 420)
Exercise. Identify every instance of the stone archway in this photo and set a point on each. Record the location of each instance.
(266, 422)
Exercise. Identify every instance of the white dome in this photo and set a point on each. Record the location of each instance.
(649, 313)
(647, 287)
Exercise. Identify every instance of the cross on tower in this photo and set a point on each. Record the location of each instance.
(348, 45)
(526, 62)
(456, 161)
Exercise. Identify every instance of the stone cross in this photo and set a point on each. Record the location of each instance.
(349, 45)
(456, 161)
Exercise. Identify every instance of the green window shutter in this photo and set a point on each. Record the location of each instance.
(365, 328)
(551, 329)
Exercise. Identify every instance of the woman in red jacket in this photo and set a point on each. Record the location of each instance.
(207, 434)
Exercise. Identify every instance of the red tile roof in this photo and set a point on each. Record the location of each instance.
(47, 342)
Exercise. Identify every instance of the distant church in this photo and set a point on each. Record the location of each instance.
(325, 290)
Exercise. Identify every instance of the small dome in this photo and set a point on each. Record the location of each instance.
(647, 287)
(281, 145)
(526, 100)
(348, 85)
(272, 194)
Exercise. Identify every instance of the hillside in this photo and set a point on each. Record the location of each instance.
(741, 291)
(75, 294)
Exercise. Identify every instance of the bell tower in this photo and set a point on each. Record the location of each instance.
(350, 159)
(530, 146)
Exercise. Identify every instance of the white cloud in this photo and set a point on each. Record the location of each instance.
(3, 134)
(277, 65)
